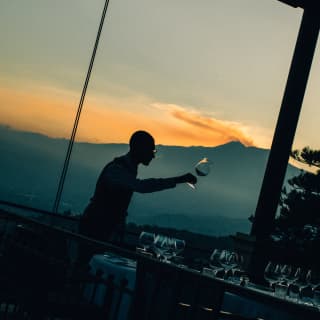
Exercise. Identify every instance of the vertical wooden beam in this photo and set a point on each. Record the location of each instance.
(268, 201)
(287, 124)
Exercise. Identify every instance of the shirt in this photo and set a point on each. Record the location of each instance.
(115, 186)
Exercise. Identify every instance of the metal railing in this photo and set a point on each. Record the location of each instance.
(71, 223)
(39, 260)
(60, 282)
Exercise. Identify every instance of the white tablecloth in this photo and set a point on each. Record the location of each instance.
(125, 268)
(121, 268)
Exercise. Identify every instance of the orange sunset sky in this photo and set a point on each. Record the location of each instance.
(190, 73)
(106, 121)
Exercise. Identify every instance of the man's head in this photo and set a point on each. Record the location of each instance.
(142, 147)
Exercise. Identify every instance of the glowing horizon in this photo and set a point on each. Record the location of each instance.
(215, 72)
(52, 112)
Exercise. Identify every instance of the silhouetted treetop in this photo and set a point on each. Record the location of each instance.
(307, 156)
(300, 205)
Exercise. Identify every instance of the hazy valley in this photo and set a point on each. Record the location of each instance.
(31, 164)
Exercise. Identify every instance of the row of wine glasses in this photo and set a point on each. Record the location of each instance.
(291, 280)
(275, 272)
(162, 246)
(226, 264)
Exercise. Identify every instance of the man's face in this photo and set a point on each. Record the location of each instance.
(147, 155)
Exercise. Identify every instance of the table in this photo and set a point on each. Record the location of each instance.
(247, 301)
(121, 268)
(255, 301)
(254, 309)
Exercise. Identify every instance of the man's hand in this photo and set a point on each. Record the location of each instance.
(188, 177)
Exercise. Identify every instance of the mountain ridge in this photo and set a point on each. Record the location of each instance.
(31, 164)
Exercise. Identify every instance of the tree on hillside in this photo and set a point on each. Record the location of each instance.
(307, 156)
(300, 205)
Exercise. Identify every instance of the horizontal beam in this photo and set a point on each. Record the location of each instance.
(302, 3)
(293, 3)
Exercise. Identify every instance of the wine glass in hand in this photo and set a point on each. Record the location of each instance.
(202, 169)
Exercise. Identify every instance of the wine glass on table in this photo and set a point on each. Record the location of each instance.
(301, 284)
(157, 245)
(179, 246)
(146, 241)
(236, 263)
(214, 262)
(215, 258)
(290, 273)
(214, 269)
(169, 248)
(202, 169)
(163, 247)
(313, 279)
(230, 260)
(292, 277)
(272, 274)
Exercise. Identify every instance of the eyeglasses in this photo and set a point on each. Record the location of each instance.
(148, 151)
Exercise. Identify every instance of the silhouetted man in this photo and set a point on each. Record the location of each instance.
(105, 216)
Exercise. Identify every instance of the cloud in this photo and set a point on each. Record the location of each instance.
(208, 127)
(109, 119)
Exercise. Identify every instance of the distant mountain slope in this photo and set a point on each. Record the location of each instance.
(30, 166)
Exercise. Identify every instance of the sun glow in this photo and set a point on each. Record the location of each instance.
(110, 120)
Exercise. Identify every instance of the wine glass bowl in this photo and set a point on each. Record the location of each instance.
(202, 169)
(271, 273)
(312, 279)
(230, 262)
(229, 259)
(157, 245)
(164, 247)
(179, 246)
(168, 248)
(146, 240)
(214, 261)
(291, 274)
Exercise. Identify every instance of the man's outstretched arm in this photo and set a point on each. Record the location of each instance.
(125, 179)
